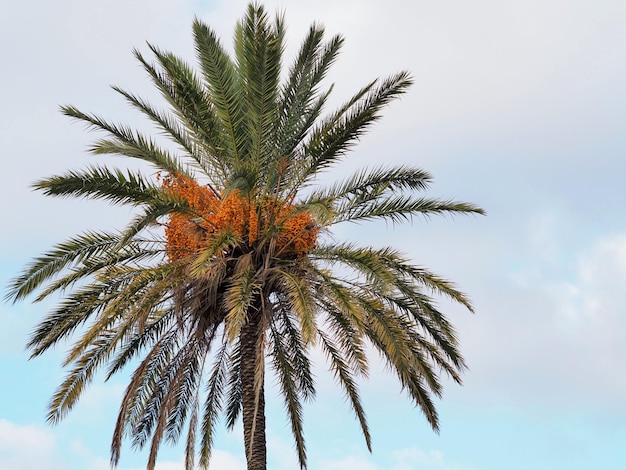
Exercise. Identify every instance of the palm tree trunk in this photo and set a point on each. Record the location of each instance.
(253, 426)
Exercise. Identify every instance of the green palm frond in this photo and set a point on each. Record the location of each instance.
(287, 373)
(258, 51)
(97, 182)
(141, 294)
(344, 376)
(68, 316)
(301, 101)
(70, 253)
(394, 265)
(126, 142)
(399, 209)
(331, 139)
(300, 104)
(393, 338)
(348, 336)
(129, 255)
(373, 183)
(233, 403)
(206, 155)
(188, 98)
(222, 83)
(213, 402)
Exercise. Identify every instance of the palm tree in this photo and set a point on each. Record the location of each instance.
(228, 265)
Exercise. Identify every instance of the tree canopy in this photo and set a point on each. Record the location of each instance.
(229, 264)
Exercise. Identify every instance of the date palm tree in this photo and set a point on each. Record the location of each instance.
(228, 265)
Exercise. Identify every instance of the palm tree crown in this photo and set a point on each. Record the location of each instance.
(227, 265)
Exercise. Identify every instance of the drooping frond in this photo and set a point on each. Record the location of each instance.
(287, 377)
(296, 291)
(141, 390)
(71, 253)
(392, 336)
(213, 402)
(239, 296)
(384, 301)
(345, 377)
(390, 264)
(233, 401)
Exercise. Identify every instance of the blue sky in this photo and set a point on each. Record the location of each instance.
(517, 106)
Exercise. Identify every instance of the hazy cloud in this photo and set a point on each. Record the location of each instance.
(27, 447)
(402, 459)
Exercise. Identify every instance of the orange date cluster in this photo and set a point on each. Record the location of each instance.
(247, 219)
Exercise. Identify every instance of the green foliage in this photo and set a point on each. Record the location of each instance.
(237, 126)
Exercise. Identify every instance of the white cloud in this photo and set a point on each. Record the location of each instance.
(225, 461)
(402, 459)
(348, 463)
(27, 447)
(550, 336)
(220, 461)
(33, 447)
(413, 458)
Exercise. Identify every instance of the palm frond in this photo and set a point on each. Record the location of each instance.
(393, 337)
(300, 302)
(70, 390)
(144, 292)
(239, 296)
(213, 402)
(335, 135)
(205, 153)
(365, 187)
(301, 102)
(192, 106)
(287, 373)
(345, 378)
(222, 82)
(399, 208)
(70, 253)
(258, 51)
(128, 255)
(126, 142)
(97, 182)
(233, 403)
(190, 448)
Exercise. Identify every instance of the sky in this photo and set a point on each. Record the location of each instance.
(518, 107)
